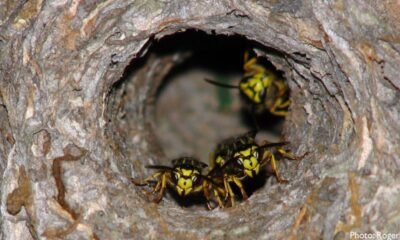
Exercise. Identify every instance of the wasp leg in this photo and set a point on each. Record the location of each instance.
(281, 85)
(274, 165)
(197, 189)
(250, 64)
(147, 180)
(246, 56)
(252, 67)
(207, 195)
(240, 185)
(284, 104)
(162, 188)
(217, 196)
(229, 192)
(220, 203)
(289, 155)
(216, 191)
(279, 105)
(280, 113)
(157, 187)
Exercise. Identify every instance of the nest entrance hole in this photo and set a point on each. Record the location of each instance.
(165, 108)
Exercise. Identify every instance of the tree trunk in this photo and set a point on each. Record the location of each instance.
(75, 126)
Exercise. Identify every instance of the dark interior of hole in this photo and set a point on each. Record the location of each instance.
(221, 58)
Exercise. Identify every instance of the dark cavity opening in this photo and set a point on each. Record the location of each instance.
(192, 115)
(166, 110)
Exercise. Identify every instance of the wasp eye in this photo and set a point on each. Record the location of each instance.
(194, 179)
(176, 176)
(255, 154)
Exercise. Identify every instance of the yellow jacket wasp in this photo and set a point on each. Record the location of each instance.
(261, 88)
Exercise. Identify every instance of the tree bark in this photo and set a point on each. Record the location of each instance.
(74, 129)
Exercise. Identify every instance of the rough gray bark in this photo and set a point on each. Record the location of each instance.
(61, 118)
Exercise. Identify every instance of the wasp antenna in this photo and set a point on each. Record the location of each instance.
(219, 84)
(138, 182)
(227, 163)
(271, 145)
(159, 167)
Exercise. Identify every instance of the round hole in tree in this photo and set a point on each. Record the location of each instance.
(180, 113)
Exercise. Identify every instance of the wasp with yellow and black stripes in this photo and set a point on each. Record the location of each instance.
(233, 160)
(261, 87)
(238, 158)
(185, 177)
